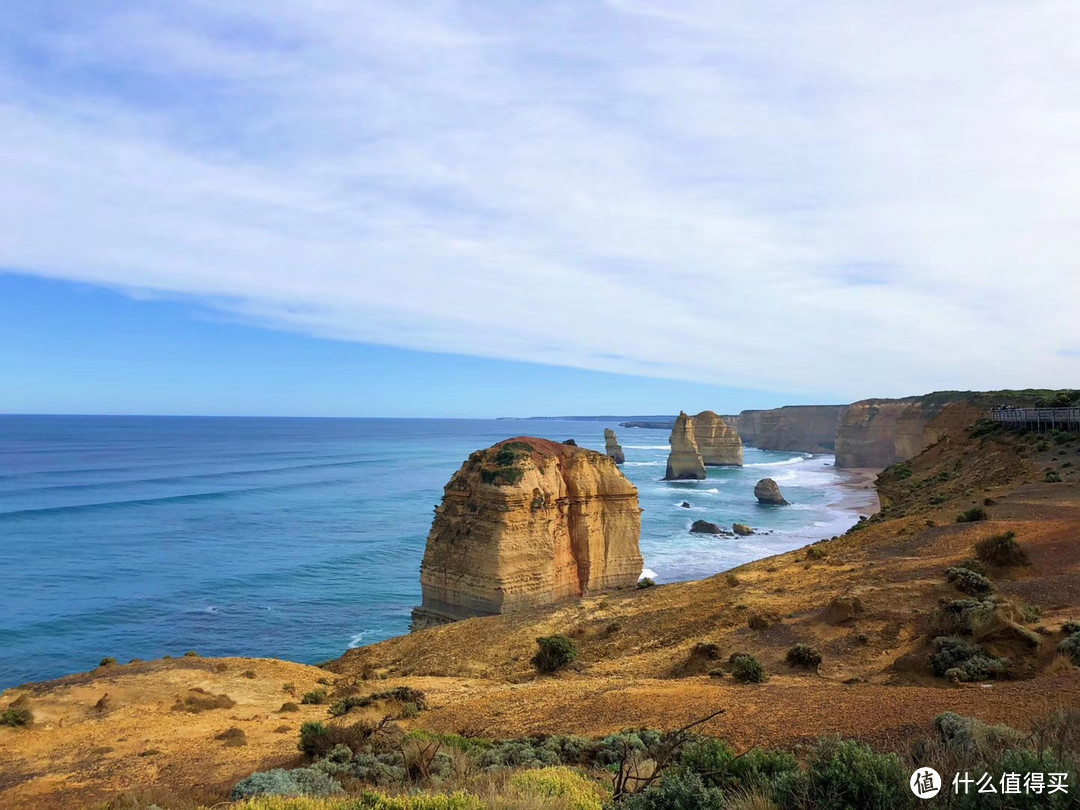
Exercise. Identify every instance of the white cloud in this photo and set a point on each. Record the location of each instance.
(845, 197)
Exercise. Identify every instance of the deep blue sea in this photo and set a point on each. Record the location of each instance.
(297, 538)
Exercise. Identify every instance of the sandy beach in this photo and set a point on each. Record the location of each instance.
(860, 491)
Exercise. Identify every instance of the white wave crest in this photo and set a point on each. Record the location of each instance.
(795, 460)
(357, 639)
(647, 572)
(644, 464)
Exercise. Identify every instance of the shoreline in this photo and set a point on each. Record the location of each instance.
(859, 493)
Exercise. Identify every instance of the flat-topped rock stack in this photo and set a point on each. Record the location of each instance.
(684, 461)
(528, 522)
(612, 447)
(718, 442)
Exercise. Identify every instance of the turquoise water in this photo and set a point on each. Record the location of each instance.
(296, 538)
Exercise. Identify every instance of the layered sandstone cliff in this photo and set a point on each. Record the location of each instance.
(717, 442)
(879, 432)
(527, 522)
(612, 447)
(792, 428)
(684, 460)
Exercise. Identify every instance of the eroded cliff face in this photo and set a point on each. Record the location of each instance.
(717, 442)
(879, 432)
(527, 522)
(684, 461)
(800, 428)
(748, 424)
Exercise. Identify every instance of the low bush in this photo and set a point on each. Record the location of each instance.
(960, 660)
(717, 764)
(847, 774)
(1070, 627)
(1070, 647)
(969, 582)
(678, 790)
(288, 706)
(972, 737)
(191, 654)
(15, 716)
(199, 700)
(973, 515)
(646, 582)
(974, 564)
(107, 662)
(555, 653)
(316, 697)
(406, 694)
(707, 649)
(803, 655)
(573, 790)
(1001, 550)
(731, 580)
(279, 782)
(759, 621)
(747, 669)
(1052, 477)
(233, 737)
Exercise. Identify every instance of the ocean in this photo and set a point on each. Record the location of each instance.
(138, 537)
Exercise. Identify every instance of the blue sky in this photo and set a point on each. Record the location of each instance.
(322, 206)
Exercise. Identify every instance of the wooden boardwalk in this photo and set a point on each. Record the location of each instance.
(1040, 419)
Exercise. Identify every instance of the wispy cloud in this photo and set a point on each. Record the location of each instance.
(840, 196)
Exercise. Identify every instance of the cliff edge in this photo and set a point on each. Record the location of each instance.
(528, 522)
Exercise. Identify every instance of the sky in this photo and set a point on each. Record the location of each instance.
(341, 207)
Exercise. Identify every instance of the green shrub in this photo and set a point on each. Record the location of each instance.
(974, 564)
(646, 582)
(707, 649)
(15, 717)
(717, 764)
(191, 654)
(314, 739)
(957, 659)
(107, 662)
(314, 697)
(803, 655)
(1001, 550)
(732, 580)
(1052, 477)
(1071, 648)
(1070, 627)
(972, 515)
(573, 790)
(279, 782)
(989, 502)
(972, 737)
(847, 775)
(405, 694)
(747, 669)
(678, 790)
(969, 582)
(1030, 613)
(555, 653)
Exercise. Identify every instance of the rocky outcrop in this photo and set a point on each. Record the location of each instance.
(748, 424)
(718, 443)
(527, 522)
(741, 529)
(768, 491)
(878, 432)
(684, 460)
(704, 527)
(612, 448)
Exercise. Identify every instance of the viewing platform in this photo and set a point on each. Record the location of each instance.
(1040, 419)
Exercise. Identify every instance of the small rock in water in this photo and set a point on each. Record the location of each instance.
(685, 504)
(767, 491)
(704, 527)
(741, 529)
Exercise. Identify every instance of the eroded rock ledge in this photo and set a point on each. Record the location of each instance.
(528, 522)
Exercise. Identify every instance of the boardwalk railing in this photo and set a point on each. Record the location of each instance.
(1038, 418)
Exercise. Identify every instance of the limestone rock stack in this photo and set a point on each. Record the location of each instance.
(718, 442)
(528, 522)
(684, 460)
(612, 448)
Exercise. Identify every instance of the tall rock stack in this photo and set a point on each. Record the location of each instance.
(612, 447)
(718, 443)
(684, 461)
(528, 522)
